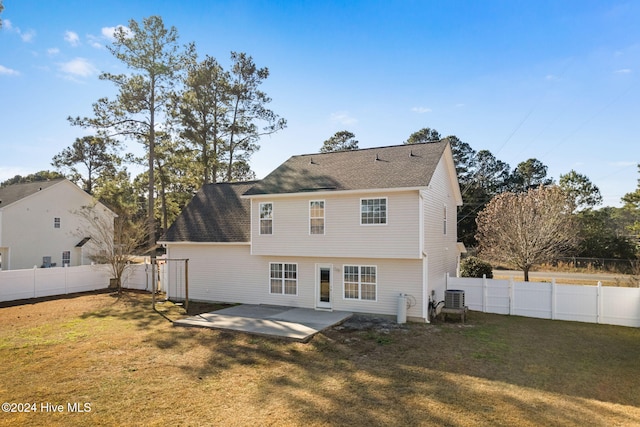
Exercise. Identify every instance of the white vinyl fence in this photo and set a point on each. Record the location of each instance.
(594, 304)
(44, 282)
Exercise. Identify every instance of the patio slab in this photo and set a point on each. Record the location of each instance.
(299, 324)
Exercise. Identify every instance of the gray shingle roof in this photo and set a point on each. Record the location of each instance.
(12, 193)
(215, 214)
(399, 166)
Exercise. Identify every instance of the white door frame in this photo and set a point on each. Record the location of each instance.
(325, 305)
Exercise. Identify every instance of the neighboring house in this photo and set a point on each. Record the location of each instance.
(343, 231)
(39, 225)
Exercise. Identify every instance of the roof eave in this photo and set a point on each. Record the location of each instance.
(330, 192)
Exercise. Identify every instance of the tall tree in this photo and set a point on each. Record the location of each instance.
(424, 135)
(249, 116)
(96, 155)
(528, 228)
(529, 174)
(1, 9)
(202, 111)
(581, 189)
(486, 178)
(152, 53)
(603, 235)
(340, 141)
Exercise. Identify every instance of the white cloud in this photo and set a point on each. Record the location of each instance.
(95, 41)
(28, 36)
(343, 117)
(72, 38)
(25, 36)
(108, 32)
(53, 51)
(8, 71)
(623, 71)
(551, 77)
(421, 110)
(78, 67)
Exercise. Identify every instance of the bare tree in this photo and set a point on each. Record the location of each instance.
(113, 239)
(527, 229)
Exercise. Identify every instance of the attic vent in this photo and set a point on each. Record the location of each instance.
(454, 298)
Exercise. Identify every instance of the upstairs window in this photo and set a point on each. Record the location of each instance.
(316, 217)
(266, 218)
(373, 211)
(56, 222)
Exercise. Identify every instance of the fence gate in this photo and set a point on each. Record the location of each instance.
(173, 279)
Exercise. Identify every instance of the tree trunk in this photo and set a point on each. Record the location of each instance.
(526, 274)
(152, 146)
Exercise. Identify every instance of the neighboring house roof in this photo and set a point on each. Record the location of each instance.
(400, 166)
(15, 192)
(215, 214)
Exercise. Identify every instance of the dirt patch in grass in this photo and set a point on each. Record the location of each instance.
(134, 368)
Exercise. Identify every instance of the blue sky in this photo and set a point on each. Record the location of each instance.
(552, 80)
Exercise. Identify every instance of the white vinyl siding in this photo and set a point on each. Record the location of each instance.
(229, 273)
(343, 235)
(440, 233)
(316, 217)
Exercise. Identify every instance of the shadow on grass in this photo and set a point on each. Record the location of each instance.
(492, 369)
(29, 301)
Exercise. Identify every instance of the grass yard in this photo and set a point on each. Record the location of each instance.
(132, 367)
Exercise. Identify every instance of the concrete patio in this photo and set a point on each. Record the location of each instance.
(299, 324)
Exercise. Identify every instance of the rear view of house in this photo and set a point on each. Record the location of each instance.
(335, 231)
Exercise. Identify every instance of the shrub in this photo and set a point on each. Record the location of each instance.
(475, 267)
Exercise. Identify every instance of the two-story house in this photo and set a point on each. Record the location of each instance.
(39, 225)
(346, 230)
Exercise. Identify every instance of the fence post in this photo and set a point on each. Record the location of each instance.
(599, 302)
(484, 293)
(511, 296)
(553, 299)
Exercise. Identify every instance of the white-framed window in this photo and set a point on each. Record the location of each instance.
(66, 258)
(373, 211)
(444, 219)
(316, 217)
(360, 282)
(266, 218)
(56, 222)
(283, 278)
